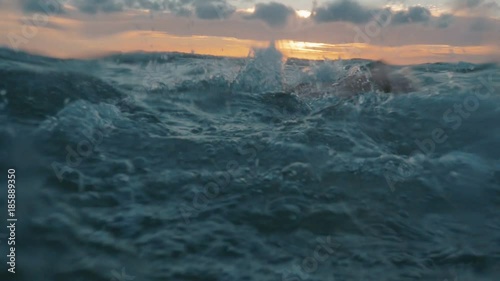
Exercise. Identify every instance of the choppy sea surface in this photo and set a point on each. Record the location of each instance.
(187, 167)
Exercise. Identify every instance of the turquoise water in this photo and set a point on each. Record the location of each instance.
(186, 167)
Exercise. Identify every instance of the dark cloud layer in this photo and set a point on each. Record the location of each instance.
(146, 4)
(345, 10)
(203, 9)
(354, 12)
(481, 25)
(477, 8)
(178, 8)
(274, 14)
(444, 20)
(213, 10)
(95, 6)
(475, 4)
(412, 15)
(42, 6)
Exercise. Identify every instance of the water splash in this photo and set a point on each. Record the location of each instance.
(263, 71)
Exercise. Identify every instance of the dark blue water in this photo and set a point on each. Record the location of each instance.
(186, 167)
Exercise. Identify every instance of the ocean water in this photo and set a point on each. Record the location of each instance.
(187, 167)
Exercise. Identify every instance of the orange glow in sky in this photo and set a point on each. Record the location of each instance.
(73, 38)
(149, 41)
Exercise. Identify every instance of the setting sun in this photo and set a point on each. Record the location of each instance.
(303, 13)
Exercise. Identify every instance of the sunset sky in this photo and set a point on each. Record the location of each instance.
(401, 32)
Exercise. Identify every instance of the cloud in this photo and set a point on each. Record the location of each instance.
(151, 5)
(96, 6)
(412, 15)
(481, 25)
(352, 11)
(444, 20)
(213, 10)
(42, 6)
(345, 10)
(203, 9)
(274, 14)
(474, 4)
(178, 8)
(476, 7)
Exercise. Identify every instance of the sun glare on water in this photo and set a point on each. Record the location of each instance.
(307, 50)
(304, 46)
